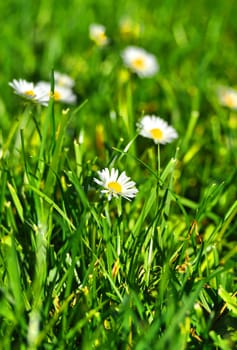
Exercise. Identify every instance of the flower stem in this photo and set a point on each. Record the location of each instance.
(158, 177)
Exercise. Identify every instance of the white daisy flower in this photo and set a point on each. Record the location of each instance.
(63, 80)
(97, 33)
(29, 91)
(227, 97)
(116, 185)
(157, 129)
(140, 61)
(61, 93)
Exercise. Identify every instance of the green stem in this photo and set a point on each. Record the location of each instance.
(107, 228)
(119, 209)
(149, 258)
(158, 161)
(158, 178)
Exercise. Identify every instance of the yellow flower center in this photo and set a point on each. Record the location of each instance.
(156, 134)
(114, 186)
(230, 100)
(29, 93)
(138, 63)
(100, 38)
(56, 96)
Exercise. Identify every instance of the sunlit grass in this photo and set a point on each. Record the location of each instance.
(90, 259)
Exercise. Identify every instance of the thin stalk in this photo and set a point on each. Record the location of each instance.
(149, 258)
(119, 208)
(107, 227)
(158, 179)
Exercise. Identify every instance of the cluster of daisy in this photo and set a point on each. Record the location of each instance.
(115, 185)
(41, 92)
(137, 59)
(144, 64)
(140, 62)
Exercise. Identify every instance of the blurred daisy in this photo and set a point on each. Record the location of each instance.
(63, 80)
(29, 91)
(227, 97)
(98, 35)
(129, 28)
(116, 185)
(140, 61)
(61, 93)
(156, 129)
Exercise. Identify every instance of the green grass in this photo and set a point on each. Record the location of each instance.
(77, 271)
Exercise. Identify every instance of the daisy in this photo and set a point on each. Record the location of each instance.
(116, 185)
(140, 61)
(157, 129)
(61, 93)
(63, 80)
(98, 35)
(29, 91)
(129, 28)
(227, 97)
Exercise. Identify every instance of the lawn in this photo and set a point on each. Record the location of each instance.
(118, 168)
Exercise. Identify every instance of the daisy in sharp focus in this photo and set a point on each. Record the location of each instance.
(97, 33)
(61, 93)
(139, 61)
(30, 92)
(157, 129)
(116, 185)
(227, 97)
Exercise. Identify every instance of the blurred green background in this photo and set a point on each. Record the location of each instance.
(192, 40)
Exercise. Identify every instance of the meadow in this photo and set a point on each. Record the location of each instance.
(118, 168)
